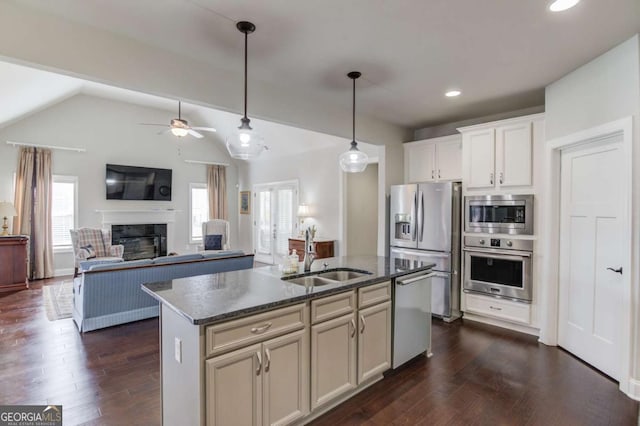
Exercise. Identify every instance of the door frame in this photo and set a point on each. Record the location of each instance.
(549, 293)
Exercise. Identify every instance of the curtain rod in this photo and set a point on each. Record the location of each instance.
(35, 145)
(206, 162)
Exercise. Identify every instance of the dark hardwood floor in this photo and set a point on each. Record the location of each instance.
(478, 375)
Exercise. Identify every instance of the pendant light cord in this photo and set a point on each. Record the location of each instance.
(246, 36)
(354, 111)
(179, 111)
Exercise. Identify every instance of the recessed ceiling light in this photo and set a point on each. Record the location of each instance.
(560, 5)
(452, 93)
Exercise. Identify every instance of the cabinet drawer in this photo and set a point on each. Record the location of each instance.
(373, 294)
(256, 328)
(332, 306)
(504, 309)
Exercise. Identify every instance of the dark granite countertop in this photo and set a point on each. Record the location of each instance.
(205, 299)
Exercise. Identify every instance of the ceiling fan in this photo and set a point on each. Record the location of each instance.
(180, 127)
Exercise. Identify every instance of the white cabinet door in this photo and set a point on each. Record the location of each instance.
(234, 387)
(420, 160)
(333, 359)
(479, 146)
(286, 378)
(513, 155)
(449, 160)
(374, 341)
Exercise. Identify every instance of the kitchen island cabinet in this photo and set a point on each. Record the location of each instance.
(238, 347)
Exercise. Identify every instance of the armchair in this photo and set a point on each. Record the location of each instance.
(216, 227)
(94, 245)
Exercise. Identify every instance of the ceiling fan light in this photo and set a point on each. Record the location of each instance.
(179, 131)
(353, 160)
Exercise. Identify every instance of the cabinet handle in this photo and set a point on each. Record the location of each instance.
(433, 172)
(494, 308)
(501, 177)
(438, 173)
(268, 364)
(259, 363)
(491, 178)
(364, 324)
(261, 329)
(353, 327)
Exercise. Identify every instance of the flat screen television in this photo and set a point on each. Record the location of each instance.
(138, 183)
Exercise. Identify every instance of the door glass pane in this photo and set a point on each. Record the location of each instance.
(285, 220)
(263, 222)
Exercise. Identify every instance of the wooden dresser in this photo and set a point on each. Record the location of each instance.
(324, 248)
(13, 263)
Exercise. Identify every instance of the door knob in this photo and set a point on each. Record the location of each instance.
(618, 271)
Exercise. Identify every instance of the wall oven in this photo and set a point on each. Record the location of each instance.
(498, 267)
(499, 214)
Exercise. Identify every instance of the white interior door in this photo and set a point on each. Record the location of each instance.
(592, 234)
(274, 220)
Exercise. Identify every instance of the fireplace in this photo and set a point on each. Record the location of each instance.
(144, 241)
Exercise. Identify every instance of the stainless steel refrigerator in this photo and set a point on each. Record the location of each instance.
(425, 225)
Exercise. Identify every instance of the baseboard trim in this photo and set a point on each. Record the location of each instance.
(504, 324)
(62, 272)
(634, 389)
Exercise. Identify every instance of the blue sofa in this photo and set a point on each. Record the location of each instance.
(111, 294)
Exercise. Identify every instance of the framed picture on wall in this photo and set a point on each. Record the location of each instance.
(245, 202)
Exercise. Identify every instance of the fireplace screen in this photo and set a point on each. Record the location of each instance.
(144, 241)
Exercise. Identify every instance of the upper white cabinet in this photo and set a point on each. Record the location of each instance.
(500, 154)
(433, 160)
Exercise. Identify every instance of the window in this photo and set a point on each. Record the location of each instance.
(63, 209)
(199, 207)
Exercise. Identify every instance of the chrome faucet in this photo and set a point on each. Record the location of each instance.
(309, 251)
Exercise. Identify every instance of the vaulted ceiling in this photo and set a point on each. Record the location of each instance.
(500, 53)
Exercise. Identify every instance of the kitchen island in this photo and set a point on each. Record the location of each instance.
(249, 347)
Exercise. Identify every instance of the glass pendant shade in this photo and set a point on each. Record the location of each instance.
(245, 143)
(354, 160)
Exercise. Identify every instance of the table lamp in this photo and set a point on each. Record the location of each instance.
(6, 210)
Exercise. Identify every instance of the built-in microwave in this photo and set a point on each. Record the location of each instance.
(499, 214)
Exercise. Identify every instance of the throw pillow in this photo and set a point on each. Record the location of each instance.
(89, 251)
(213, 242)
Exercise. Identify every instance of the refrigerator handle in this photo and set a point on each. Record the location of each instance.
(414, 230)
(421, 215)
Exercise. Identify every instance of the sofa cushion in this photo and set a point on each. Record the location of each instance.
(85, 265)
(120, 265)
(211, 254)
(213, 242)
(178, 258)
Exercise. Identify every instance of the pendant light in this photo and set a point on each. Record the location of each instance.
(354, 160)
(245, 143)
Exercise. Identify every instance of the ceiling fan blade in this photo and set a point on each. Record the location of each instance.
(205, 129)
(194, 133)
(152, 124)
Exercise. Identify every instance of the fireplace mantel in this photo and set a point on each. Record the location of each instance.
(126, 217)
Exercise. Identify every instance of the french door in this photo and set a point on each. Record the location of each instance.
(274, 219)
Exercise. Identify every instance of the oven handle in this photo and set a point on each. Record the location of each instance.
(415, 279)
(503, 253)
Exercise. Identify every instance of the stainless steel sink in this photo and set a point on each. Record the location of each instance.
(320, 278)
(343, 275)
(310, 281)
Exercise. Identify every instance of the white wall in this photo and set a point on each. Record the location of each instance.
(108, 130)
(601, 91)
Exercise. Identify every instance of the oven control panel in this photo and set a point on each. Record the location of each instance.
(498, 243)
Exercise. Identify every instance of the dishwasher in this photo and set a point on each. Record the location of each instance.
(412, 317)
